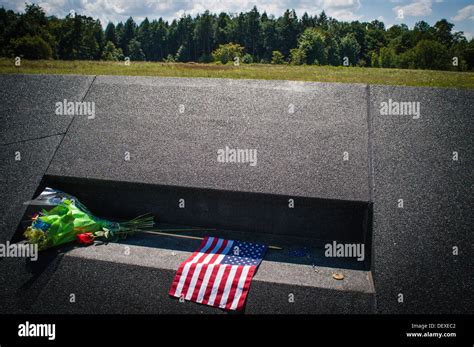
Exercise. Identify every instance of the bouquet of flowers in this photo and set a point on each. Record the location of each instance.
(69, 221)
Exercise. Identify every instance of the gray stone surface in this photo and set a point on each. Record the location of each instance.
(31, 132)
(135, 277)
(413, 161)
(23, 280)
(250, 212)
(299, 154)
(19, 179)
(27, 104)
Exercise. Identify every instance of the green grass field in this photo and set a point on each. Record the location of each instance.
(423, 78)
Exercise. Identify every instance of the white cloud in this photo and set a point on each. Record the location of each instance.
(340, 3)
(417, 8)
(464, 13)
(345, 10)
(120, 10)
(345, 15)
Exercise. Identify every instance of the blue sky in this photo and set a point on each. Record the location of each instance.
(458, 12)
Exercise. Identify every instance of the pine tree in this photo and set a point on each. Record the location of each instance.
(110, 34)
(144, 36)
(128, 35)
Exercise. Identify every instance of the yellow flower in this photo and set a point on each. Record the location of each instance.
(37, 236)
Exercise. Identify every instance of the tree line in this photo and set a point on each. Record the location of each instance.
(252, 37)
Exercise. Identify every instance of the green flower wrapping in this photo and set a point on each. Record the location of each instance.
(69, 220)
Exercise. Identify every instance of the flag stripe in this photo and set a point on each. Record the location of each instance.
(204, 286)
(191, 281)
(200, 283)
(235, 284)
(216, 284)
(195, 257)
(179, 273)
(221, 286)
(228, 286)
(209, 288)
(195, 267)
(203, 280)
(219, 273)
(245, 290)
(213, 277)
(216, 245)
(240, 287)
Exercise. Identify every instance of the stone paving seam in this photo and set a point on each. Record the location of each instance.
(69, 126)
(370, 146)
(32, 139)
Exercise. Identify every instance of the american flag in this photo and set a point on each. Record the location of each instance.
(218, 273)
